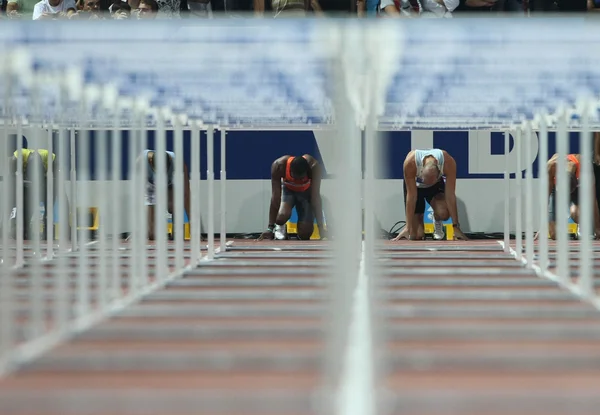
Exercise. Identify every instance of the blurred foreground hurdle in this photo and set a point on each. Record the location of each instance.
(403, 329)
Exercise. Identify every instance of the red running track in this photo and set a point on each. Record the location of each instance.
(465, 330)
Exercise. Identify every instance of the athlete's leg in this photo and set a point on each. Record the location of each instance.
(150, 213)
(305, 215)
(439, 206)
(552, 215)
(574, 209)
(171, 208)
(436, 197)
(420, 232)
(150, 202)
(35, 175)
(288, 200)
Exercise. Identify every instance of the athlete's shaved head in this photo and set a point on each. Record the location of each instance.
(299, 167)
(430, 172)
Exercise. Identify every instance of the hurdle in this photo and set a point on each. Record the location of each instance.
(409, 327)
(26, 342)
(584, 286)
(140, 265)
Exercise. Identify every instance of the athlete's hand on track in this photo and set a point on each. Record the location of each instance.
(268, 234)
(459, 235)
(597, 234)
(324, 234)
(402, 235)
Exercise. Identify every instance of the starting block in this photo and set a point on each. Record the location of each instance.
(572, 227)
(428, 223)
(89, 222)
(186, 225)
(292, 225)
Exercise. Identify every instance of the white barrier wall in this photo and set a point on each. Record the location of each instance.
(480, 188)
(481, 204)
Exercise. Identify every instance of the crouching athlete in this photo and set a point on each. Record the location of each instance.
(149, 157)
(573, 169)
(295, 182)
(35, 176)
(424, 172)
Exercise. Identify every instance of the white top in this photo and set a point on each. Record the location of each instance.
(45, 7)
(427, 6)
(420, 156)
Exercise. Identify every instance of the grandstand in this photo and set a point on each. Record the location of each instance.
(96, 319)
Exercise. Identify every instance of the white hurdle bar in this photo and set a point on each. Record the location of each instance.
(19, 200)
(543, 193)
(160, 209)
(195, 178)
(223, 190)
(74, 195)
(50, 195)
(104, 191)
(506, 191)
(7, 339)
(138, 173)
(178, 219)
(519, 194)
(210, 178)
(82, 202)
(562, 197)
(111, 102)
(529, 249)
(587, 196)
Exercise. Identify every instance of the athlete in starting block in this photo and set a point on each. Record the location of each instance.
(295, 182)
(424, 172)
(35, 171)
(573, 168)
(149, 156)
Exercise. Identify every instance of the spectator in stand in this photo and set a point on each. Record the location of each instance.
(398, 8)
(439, 8)
(147, 9)
(89, 9)
(200, 8)
(20, 8)
(53, 9)
(593, 5)
(169, 8)
(120, 10)
(284, 8)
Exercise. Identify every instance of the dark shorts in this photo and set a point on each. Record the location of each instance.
(426, 194)
(301, 201)
(573, 200)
